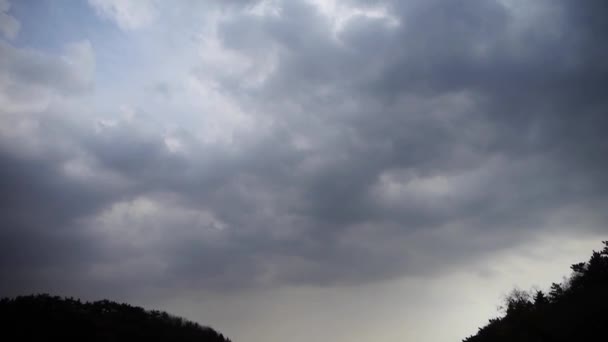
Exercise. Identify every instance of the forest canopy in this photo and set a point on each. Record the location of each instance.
(50, 318)
(575, 310)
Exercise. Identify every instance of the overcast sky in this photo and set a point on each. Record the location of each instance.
(287, 170)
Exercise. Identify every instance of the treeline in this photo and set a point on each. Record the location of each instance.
(50, 318)
(576, 310)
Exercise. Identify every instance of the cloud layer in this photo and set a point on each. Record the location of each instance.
(250, 144)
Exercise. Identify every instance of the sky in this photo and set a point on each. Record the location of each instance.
(288, 170)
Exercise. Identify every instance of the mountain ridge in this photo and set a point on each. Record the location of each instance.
(44, 317)
(575, 310)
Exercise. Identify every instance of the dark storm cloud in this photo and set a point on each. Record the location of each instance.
(40, 209)
(536, 107)
(459, 131)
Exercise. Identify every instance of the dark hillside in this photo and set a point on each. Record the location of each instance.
(48, 318)
(574, 311)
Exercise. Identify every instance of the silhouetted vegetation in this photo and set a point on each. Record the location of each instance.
(576, 310)
(49, 318)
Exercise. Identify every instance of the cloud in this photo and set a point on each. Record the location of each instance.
(26, 70)
(316, 143)
(9, 25)
(128, 15)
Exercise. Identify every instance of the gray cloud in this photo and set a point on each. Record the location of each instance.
(462, 130)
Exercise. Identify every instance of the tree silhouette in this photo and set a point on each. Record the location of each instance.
(574, 311)
(50, 318)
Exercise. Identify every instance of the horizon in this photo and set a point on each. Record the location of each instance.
(353, 170)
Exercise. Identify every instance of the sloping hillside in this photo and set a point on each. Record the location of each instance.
(574, 311)
(48, 318)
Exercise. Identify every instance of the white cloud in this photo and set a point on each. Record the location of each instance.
(9, 25)
(31, 81)
(148, 221)
(266, 8)
(340, 13)
(79, 57)
(36, 88)
(127, 14)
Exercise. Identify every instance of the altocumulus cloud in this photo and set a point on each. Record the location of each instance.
(265, 143)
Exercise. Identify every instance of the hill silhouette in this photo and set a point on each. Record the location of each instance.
(576, 310)
(50, 318)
